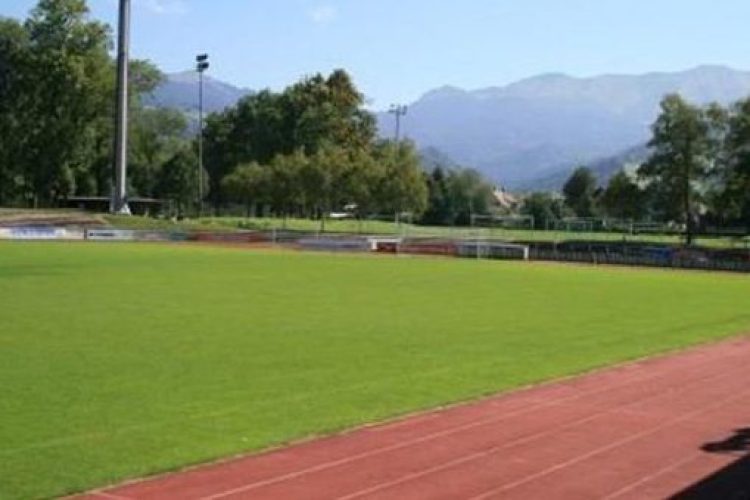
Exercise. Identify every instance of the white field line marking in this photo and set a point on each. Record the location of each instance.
(516, 442)
(447, 432)
(666, 470)
(110, 496)
(609, 447)
(651, 477)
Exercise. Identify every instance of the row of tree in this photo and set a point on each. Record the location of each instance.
(384, 179)
(698, 173)
(57, 111)
(624, 198)
(700, 164)
(312, 149)
(457, 194)
(307, 150)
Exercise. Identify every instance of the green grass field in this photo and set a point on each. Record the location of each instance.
(118, 361)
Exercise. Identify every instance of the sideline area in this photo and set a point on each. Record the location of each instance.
(668, 426)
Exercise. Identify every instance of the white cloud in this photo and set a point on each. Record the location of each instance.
(166, 6)
(323, 14)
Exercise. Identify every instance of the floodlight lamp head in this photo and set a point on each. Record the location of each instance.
(397, 109)
(203, 66)
(201, 58)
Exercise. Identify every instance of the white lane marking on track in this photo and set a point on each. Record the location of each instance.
(495, 449)
(352, 458)
(612, 446)
(651, 477)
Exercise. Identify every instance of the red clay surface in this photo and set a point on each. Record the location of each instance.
(675, 426)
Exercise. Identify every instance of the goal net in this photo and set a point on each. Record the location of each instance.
(488, 249)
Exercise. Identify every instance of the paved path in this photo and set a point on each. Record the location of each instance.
(672, 426)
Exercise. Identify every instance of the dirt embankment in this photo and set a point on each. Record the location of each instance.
(44, 218)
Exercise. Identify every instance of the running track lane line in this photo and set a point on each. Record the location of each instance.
(669, 482)
(651, 477)
(525, 439)
(246, 488)
(616, 444)
(636, 379)
(627, 375)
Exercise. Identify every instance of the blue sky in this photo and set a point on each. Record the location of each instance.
(399, 49)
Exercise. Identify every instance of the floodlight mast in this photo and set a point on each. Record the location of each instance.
(202, 65)
(120, 198)
(399, 111)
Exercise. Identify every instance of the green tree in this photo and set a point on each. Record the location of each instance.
(324, 180)
(256, 129)
(249, 185)
(178, 180)
(732, 199)
(580, 191)
(544, 208)
(680, 161)
(623, 198)
(286, 185)
(404, 189)
(69, 75)
(57, 109)
(144, 78)
(328, 111)
(156, 135)
(316, 113)
(15, 101)
(220, 153)
(362, 177)
(468, 194)
(439, 209)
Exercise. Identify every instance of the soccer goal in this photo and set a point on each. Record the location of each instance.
(578, 224)
(507, 227)
(651, 228)
(488, 249)
(503, 221)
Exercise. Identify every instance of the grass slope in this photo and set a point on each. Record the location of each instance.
(118, 361)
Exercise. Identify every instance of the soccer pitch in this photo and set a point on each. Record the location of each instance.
(122, 360)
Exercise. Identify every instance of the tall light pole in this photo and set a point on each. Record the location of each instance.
(120, 197)
(201, 66)
(399, 111)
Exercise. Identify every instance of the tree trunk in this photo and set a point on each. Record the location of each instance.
(686, 207)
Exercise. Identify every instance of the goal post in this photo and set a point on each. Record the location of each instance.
(503, 221)
(579, 224)
(489, 249)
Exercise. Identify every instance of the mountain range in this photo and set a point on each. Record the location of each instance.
(529, 134)
(523, 134)
(603, 169)
(180, 91)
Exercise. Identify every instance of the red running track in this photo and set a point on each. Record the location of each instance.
(632, 432)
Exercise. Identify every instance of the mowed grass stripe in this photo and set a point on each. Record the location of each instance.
(118, 361)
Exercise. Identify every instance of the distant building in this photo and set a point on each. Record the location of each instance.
(505, 200)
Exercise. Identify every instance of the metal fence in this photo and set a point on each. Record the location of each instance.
(709, 262)
(590, 252)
